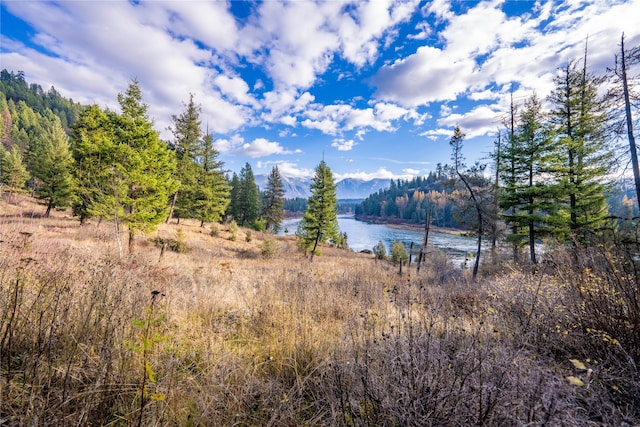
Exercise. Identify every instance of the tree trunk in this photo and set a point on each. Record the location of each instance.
(173, 205)
(627, 109)
(48, 211)
(131, 240)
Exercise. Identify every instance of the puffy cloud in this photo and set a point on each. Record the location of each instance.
(343, 144)
(259, 147)
(383, 173)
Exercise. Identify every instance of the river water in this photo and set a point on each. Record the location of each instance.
(363, 235)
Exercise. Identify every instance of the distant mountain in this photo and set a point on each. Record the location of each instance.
(348, 188)
(293, 187)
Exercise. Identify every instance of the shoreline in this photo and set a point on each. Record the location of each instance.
(395, 223)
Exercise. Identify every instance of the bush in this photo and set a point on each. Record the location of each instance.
(248, 236)
(398, 253)
(269, 247)
(260, 225)
(233, 231)
(215, 230)
(380, 250)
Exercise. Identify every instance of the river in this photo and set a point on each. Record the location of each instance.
(363, 235)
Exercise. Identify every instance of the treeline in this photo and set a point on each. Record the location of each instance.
(16, 90)
(411, 200)
(115, 166)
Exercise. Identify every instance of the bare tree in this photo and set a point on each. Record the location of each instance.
(622, 64)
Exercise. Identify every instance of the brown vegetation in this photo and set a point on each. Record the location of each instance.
(218, 334)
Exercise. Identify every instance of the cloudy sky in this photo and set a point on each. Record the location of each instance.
(375, 88)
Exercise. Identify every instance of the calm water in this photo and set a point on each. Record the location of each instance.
(363, 235)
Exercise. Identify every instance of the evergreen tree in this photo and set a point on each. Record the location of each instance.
(579, 120)
(248, 197)
(233, 209)
(320, 222)
(187, 144)
(13, 172)
(51, 165)
(273, 205)
(213, 196)
(98, 172)
(529, 197)
(148, 163)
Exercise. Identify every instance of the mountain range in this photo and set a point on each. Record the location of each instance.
(348, 188)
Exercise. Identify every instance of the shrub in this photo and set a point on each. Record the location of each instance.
(233, 231)
(248, 236)
(215, 230)
(398, 253)
(269, 247)
(380, 250)
(260, 225)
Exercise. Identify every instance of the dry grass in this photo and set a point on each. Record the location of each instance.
(220, 335)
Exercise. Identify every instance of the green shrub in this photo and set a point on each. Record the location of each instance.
(248, 236)
(233, 231)
(215, 230)
(380, 250)
(398, 253)
(269, 247)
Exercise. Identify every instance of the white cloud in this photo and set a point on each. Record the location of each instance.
(367, 176)
(343, 144)
(481, 120)
(260, 147)
(412, 172)
(293, 170)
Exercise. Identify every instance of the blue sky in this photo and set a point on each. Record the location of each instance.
(375, 88)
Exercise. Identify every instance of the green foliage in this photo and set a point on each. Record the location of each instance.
(380, 250)
(248, 236)
(269, 247)
(580, 124)
(233, 231)
(529, 196)
(144, 347)
(126, 171)
(50, 102)
(51, 164)
(398, 253)
(273, 201)
(319, 222)
(260, 225)
(13, 172)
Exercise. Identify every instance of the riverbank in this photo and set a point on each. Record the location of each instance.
(403, 225)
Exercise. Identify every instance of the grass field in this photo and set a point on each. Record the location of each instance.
(212, 332)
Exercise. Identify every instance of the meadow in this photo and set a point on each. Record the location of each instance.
(211, 331)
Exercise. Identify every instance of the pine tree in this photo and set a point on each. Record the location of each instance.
(233, 209)
(320, 222)
(213, 196)
(187, 143)
(579, 120)
(52, 165)
(98, 172)
(148, 163)
(13, 172)
(273, 201)
(248, 197)
(529, 199)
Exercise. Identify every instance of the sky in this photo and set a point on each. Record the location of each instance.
(373, 88)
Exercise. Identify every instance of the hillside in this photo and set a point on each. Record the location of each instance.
(217, 334)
